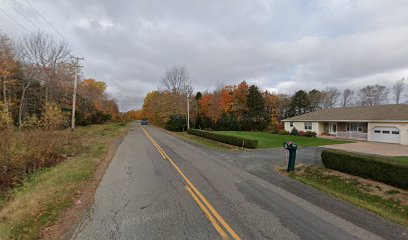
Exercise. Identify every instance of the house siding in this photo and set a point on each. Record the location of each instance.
(300, 126)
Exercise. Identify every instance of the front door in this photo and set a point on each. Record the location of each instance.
(333, 128)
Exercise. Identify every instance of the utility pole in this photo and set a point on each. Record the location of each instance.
(188, 111)
(77, 66)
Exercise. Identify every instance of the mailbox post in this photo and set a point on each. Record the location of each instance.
(291, 147)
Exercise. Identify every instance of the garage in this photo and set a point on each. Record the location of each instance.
(386, 134)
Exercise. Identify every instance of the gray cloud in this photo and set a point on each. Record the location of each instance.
(280, 45)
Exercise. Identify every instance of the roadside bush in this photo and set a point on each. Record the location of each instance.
(27, 151)
(232, 140)
(53, 118)
(302, 133)
(294, 132)
(310, 134)
(383, 169)
(283, 132)
(176, 123)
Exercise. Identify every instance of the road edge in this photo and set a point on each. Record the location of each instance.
(65, 227)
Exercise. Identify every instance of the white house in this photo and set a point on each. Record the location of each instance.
(379, 123)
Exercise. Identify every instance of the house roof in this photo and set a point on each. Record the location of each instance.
(390, 112)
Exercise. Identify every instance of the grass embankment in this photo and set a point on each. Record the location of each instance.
(202, 141)
(38, 202)
(387, 201)
(268, 140)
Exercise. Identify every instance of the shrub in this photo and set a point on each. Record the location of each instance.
(310, 134)
(283, 132)
(302, 133)
(6, 120)
(31, 122)
(294, 132)
(228, 122)
(232, 140)
(176, 123)
(27, 151)
(383, 169)
(53, 118)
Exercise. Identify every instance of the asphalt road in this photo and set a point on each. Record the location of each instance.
(166, 188)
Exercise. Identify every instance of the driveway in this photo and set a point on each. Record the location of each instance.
(385, 149)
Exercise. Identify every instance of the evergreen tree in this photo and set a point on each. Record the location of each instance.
(256, 118)
(256, 102)
(300, 104)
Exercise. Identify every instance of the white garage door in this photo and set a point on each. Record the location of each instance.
(386, 134)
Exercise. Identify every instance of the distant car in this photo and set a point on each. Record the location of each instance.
(144, 122)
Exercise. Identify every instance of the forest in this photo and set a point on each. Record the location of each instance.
(37, 80)
(247, 107)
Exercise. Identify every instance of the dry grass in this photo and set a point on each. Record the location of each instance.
(44, 194)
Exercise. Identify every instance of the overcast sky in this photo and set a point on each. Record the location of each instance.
(278, 45)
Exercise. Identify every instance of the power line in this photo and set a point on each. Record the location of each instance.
(52, 26)
(14, 20)
(21, 14)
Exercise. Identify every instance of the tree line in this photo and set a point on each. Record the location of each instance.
(37, 77)
(247, 107)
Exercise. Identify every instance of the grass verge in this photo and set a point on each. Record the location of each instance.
(41, 198)
(269, 140)
(387, 201)
(202, 141)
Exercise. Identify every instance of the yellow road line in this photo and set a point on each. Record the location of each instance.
(190, 184)
(154, 143)
(207, 213)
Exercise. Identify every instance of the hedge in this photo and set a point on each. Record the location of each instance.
(383, 169)
(232, 140)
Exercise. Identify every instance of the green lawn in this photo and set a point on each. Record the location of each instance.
(268, 140)
(401, 158)
(370, 196)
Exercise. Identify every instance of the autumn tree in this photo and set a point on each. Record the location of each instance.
(176, 81)
(226, 98)
(240, 98)
(204, 105)
(8, 68)
(273, 104)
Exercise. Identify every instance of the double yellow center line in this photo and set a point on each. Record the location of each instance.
(215, 219)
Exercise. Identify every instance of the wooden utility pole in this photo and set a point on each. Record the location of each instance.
(188, 111)
(77, 66)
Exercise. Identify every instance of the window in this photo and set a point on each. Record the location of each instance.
(386, 132)
(291, 124)
(395, 132)
(354, 127)
(308, 126)
(377, 131)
